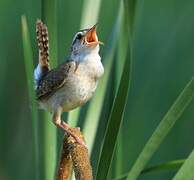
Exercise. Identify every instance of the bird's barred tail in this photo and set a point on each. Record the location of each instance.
(43, 46)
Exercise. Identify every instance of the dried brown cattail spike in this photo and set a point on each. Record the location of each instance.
(76, 154)
(80, 158)
(64, 171)
(43, 45)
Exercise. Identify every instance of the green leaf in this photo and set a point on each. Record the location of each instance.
(162, 130)
(114, 122)
(118, 108)
(164, 166)
(167, 166)
(89, 13)
(121, 52)
(28, 61)
(186, 172)
(49, 17)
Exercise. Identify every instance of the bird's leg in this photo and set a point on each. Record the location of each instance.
(59, 123)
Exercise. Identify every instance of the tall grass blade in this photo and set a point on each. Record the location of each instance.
(171, 165)
(49, 16)
(186, 172)
(49, 146)
(28, 59)
(167, 166)
(116, 116)
(89, 13)
(119, 63)
(114, 122)
(162, 130)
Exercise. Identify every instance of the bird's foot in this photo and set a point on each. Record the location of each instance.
(66, 128)
(78, 140)
(61, 124)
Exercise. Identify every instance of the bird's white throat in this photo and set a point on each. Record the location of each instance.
(86, 54)
(89, 62)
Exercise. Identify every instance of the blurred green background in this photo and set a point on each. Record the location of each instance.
(163, 63)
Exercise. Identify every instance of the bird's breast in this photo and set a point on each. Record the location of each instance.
(78, 88)
(91, 68)
(86, 78)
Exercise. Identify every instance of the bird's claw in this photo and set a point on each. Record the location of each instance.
(80, 141)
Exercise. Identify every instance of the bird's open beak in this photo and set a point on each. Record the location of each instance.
(91, 37)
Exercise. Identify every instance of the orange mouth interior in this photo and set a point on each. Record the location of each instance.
(91, 37)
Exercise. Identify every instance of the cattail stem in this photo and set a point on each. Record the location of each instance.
(76, 156)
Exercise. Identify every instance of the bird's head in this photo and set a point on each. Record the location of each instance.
(85, 41)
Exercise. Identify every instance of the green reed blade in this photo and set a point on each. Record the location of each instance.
(186, 171)
(28, 58)
(162, 130)
(49, 16)
(167, 166)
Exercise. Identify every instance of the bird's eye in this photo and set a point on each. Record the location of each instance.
(79, 36)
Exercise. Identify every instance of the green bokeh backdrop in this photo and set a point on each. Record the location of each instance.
(163, 62)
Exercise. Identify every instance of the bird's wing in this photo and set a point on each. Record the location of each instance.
(55, 79)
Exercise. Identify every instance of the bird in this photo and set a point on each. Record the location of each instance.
(72, 83)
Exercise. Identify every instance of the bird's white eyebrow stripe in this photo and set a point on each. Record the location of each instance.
(79, 32)
(74, 39)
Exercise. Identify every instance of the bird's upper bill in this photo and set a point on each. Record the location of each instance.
(91, 37)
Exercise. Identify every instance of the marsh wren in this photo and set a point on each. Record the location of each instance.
(72, 83)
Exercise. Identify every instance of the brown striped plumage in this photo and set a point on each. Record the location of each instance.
(43, 45)
(54, 79)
